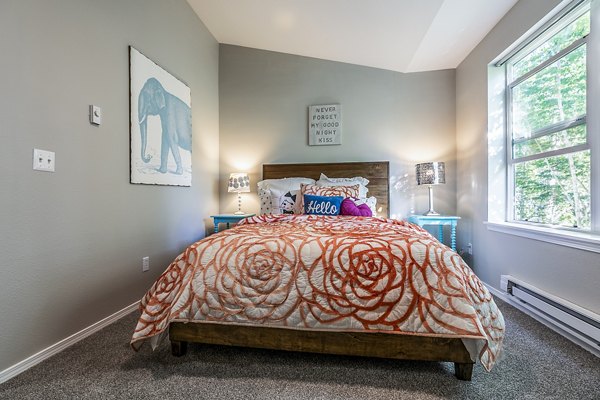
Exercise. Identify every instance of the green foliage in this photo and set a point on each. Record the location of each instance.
(554, 94)
(554, 141)
(546, 190)
(563, 39)
(552, 189)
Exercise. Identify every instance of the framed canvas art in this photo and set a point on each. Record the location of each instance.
(161, 125)
(325, 125)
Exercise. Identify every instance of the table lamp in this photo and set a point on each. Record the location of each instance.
(239, 182)
(431, 173)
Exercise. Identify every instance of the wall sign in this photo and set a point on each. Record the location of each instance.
(325, 125)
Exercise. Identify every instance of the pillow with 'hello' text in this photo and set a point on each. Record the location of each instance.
(343, 191)
(322, 205)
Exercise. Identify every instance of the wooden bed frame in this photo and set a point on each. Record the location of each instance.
(378, 174)
(396, 346)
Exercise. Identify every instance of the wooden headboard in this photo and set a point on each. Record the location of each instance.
(377, 172)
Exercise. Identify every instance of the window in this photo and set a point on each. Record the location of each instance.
(548, 160)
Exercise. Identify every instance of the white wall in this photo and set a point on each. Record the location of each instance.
(565, 272)
(71, 242)
(387, 116)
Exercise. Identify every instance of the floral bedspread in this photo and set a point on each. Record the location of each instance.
(325, 273)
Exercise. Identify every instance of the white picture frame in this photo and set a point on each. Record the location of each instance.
(160, 125)
(325, 125)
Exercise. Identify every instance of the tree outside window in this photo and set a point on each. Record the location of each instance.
(549, 154)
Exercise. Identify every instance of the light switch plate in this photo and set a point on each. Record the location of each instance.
(95, 115)
(43, 160)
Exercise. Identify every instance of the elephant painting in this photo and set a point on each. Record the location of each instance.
(175, 120)
(161, 123)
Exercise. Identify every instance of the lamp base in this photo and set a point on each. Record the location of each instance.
(432, 213)
(239, 211)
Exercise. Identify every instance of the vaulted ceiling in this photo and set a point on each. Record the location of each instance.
(399, 35)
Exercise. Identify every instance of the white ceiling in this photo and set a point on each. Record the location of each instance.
(399, 35)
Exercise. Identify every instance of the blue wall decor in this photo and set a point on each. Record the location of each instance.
(161, 125)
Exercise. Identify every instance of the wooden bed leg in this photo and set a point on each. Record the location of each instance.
(463, 371)
(178, 348)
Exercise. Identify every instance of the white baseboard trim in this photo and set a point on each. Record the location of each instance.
(48, 352)
(573, 336)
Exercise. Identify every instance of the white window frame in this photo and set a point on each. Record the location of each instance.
(511, 83)
(500, 173)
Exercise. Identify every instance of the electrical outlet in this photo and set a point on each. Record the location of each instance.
(470, 248)
(145, 264)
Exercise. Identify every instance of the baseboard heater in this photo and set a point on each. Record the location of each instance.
(577, 321)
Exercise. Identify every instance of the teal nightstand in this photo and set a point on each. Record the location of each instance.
(440, 221)
(228, 219)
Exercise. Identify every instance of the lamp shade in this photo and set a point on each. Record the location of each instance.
(431, 173)
(239, 182)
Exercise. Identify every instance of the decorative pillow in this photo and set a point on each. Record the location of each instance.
(322, 205)
(370, 201)
(265, 201)
(285, 202)
(324, 180)
(271, 192)
(357, 179)
(349, 207)
(343, 191)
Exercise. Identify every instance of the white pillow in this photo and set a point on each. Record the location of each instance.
(265, 201)
(278, 193)
(324, 180)
(357, 179)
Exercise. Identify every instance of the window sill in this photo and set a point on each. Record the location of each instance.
(577, 240)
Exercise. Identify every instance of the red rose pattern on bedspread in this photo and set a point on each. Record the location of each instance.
(325, 273)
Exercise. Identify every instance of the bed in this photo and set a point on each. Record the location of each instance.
(310, 302)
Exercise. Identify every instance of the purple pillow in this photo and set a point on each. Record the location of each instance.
(349, 207)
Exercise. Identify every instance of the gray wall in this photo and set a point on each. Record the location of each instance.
(387, 116)
(565, 272)
(71, 242)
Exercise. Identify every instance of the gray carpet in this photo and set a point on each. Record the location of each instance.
(536, 364)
